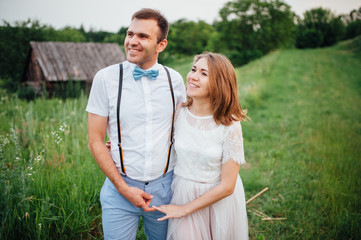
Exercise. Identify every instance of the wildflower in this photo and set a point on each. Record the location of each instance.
(38, 158)
(6, 141)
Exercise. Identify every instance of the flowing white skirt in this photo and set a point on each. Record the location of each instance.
(224, 220)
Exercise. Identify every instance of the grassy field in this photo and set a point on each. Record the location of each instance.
(303, 143)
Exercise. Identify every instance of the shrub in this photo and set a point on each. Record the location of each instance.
(69, 89)
(309, 38)
(356, 45)
(25, 92)
(239, 58)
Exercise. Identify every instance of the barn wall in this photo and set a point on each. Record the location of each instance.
(34, 76)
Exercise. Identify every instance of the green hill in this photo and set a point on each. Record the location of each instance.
(304, 143)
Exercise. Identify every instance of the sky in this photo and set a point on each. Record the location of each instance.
(111, 15)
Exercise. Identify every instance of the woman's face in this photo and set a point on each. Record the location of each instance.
(198, 81)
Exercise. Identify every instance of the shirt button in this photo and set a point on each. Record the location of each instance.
(146, 183)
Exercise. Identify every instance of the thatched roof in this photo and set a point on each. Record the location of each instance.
(62, 61)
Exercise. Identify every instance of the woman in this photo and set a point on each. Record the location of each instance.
(208, 198)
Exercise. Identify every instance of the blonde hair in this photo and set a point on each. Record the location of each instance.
(223, 89)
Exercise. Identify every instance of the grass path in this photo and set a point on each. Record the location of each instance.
(304, 143)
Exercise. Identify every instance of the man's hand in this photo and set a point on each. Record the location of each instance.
(139, 198)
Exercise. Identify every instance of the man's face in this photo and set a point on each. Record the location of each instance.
(141, 45)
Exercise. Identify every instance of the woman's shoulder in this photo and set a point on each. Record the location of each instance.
(235, 128)
(180, 109)
(233, 125)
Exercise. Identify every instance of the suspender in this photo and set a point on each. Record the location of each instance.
(171, 130)
(118, 119)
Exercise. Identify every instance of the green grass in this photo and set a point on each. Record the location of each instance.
(49, 180)
(303, 143)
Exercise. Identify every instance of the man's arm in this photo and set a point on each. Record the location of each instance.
(96, 133)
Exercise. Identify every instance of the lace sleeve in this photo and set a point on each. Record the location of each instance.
(233, 144)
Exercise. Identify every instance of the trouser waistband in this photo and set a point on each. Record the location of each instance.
(141, 184)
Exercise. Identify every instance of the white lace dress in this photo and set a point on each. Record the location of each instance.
(202, 147)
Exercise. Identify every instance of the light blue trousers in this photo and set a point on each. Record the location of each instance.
(120, 218)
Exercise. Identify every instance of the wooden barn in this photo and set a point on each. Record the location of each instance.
(52, 63)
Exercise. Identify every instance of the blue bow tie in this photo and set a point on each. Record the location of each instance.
(138, 73)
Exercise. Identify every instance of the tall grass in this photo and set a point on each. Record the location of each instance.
(303, 143)
(49, 179)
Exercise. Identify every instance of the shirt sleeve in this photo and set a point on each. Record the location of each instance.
(178, 87)
(98, 97)
(233, 144)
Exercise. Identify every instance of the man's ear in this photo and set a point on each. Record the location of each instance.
(162, 45)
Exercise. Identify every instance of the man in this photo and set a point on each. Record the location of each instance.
(138, 181)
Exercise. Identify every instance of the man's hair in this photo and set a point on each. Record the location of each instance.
(148, 13)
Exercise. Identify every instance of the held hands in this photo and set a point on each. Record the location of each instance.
(171, 211)
(139, 198)
(136, 196)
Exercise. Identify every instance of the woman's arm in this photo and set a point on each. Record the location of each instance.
(229, 175)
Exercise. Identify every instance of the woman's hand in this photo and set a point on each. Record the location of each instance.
(108, 145)
(171, 211)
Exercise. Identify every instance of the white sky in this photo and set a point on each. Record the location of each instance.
(110, 15)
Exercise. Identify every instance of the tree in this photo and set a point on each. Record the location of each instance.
(353, 23)
(69, 34)
(309, 38)
(322, 21)
(335, 32)
(14, 49)
(188, 37)
(250, 28)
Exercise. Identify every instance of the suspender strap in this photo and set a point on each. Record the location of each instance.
(118, 120)
(172, 128)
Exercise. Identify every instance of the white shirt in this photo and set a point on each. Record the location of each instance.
(145, 115)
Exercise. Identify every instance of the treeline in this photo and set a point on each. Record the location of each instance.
(248, 29)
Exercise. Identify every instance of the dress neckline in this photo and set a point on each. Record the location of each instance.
(198, 117)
